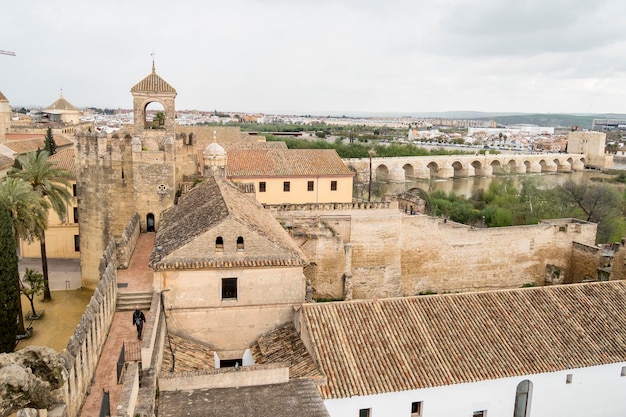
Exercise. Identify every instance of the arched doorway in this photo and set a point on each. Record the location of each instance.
(150, 222)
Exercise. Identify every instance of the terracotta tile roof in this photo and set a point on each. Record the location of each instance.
(189, 355)
(377, 346)
(284, 163)
(185, 231)
(5, 162)
(254, 144)
(283, 345)
(153, 83)
(60, 104)
(23, 143)
(3, 97)
(294, 398)
(65, 159)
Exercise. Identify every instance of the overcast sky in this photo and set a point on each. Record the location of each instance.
(313, 56)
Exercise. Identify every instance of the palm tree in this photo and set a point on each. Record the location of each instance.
(28, 211)
(52, 182)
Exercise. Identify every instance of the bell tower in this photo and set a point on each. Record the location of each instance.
(153, 89)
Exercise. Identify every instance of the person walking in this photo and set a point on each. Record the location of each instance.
(138, 320)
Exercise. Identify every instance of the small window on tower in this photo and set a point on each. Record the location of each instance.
(229, 288)
(286, 186)
(75, 214)
(240, 244)
(333, 186)
(219, 244)
(74, 190)
(310, 186)
(262, 186)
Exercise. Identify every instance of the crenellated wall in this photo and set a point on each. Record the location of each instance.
(127, 242)
(85, 345)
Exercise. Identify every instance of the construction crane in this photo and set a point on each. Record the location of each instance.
(7, 52)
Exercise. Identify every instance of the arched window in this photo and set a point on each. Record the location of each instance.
(219, 244)
(523, 394)
(240, 244)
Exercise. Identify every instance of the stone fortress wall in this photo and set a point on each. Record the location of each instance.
(376, 251)
(134, 175)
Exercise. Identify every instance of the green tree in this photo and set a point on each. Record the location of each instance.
(52, 183)
(598, 203)
(32, 284)
(28, 214)
(159, 119)
(9, 293)
(51, 145)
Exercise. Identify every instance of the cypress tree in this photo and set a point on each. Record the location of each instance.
(9, 291)
(51, 145)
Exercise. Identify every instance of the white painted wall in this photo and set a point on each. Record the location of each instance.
(594, 391)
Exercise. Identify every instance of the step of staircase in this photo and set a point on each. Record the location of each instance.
(127, 301)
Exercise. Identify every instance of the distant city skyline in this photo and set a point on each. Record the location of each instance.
(340, 56)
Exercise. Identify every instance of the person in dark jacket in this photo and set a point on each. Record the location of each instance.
(138, 320)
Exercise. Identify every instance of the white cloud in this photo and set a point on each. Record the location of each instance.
(303, 56)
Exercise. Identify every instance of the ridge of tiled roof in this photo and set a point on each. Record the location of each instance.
(3, 97)
(203, 208)
(376, 346)
(284, 162)
(153, 84)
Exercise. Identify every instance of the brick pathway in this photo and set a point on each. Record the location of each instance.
(138, 276)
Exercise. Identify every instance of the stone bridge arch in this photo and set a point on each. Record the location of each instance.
(548, 165)
(409, 171)
(462, 171)
(381, 173)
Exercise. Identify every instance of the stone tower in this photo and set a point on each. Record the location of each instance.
(153, 89)
(5, 117)
(125, 173)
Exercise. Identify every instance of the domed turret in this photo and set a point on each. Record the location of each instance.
(214, 156)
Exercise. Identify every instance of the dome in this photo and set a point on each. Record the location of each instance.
(214, 149)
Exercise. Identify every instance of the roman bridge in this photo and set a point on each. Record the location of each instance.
(400, 169)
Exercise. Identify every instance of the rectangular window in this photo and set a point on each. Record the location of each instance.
(262, 186)
(481, 413)
(76, 243)
(333, 186)
(286, 186)
(309, 186)
(75, 214)
(623, 370)
(568, 379)
(74, 190)
(229, 288)
(416, 409)
(365, 412)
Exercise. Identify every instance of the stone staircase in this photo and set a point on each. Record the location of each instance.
(127, 301)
